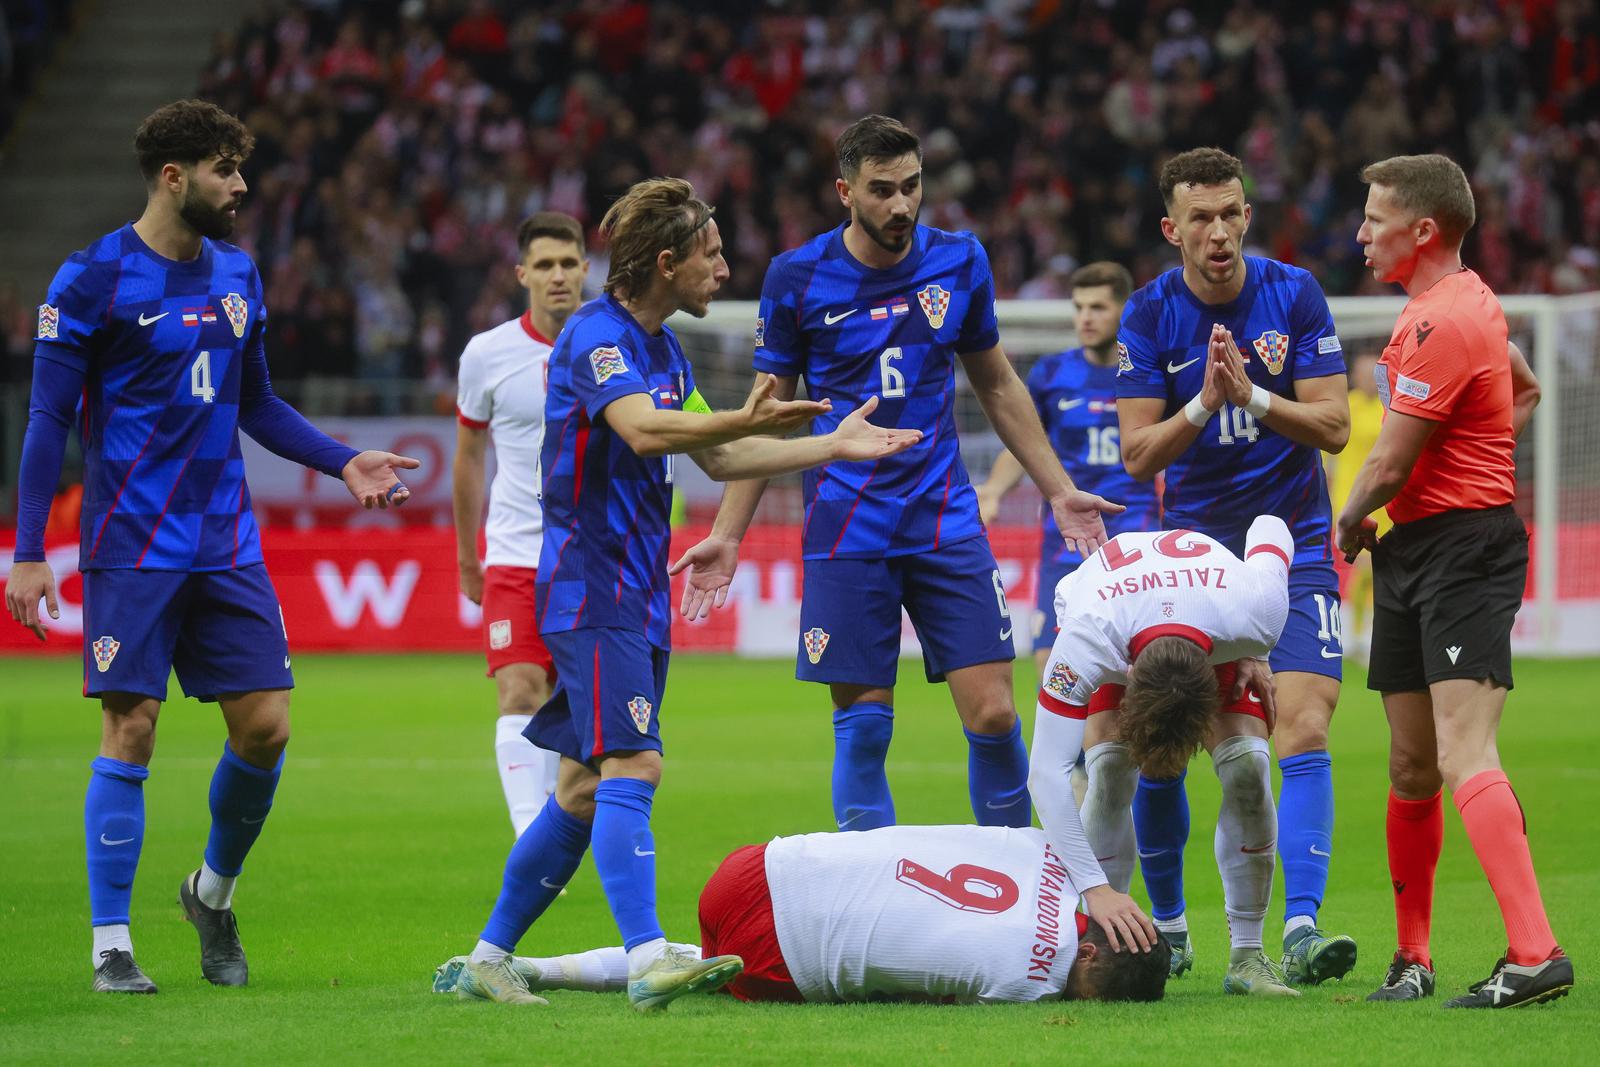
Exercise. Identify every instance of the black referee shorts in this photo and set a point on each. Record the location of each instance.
(1445, 591)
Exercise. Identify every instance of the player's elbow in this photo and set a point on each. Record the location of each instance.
(1337, 437)
(645, 444)
(716, 462)
(1138, 465)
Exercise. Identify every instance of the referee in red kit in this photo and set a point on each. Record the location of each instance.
(1449, 578)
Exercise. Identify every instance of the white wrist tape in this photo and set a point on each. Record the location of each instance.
(1260, 401)
(1196, 412)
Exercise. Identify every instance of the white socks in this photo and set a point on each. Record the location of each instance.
(640, 957)
(1247, 836)
(527, 773)
(600, 970)
(107, 938)
(1177, 926)
(213, 889)
(483, 952)
(1296, 923)
(1108, 811)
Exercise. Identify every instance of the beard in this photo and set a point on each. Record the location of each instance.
(887, 241)
(207, 221)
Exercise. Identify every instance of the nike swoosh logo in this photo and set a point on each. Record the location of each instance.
(1331, 655)
(636, 852)
(1005, 635)
(1150, 855)
(1315, 851)
(252, 822)
(830, 318)
(286, 663)
(1268, 847)
(1174, 368)
(104, 840)
(153, 318)
(992, 806)
(1068, 405)
(851, 819)
(548, 884)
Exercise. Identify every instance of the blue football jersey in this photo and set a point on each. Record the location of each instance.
(854, 332)
(165, 348)
(1077, 402)
(606, 508)
(1236, 469)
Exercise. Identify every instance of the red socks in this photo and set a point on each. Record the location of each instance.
(1496, 826)
(1416, 835)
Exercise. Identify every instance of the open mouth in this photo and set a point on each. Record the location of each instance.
(1220, 259)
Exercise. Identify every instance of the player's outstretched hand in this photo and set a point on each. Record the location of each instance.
(1256, 676)
(1355, 532)
(710, 564)
(28, 583)
(1235, 380)
(1080, 518)
(856, 439)
(372, 480)
(765, 414)
(1119, 916)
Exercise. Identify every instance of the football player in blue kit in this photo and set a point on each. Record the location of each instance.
(882, 306)
(622, 402)
(1075, 393)
(1230, 380)
(158, 328)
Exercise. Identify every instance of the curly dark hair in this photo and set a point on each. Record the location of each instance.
(1169, 704)
(1199, 166)
(186, 132)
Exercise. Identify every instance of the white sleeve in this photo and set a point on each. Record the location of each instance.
(1058, 723)
(1268, 551)
(474, 403)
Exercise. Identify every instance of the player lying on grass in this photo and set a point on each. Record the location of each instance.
(1162, 650)
(945, 913)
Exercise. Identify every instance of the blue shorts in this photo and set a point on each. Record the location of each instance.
(1311, 640)
(607, 699)
(850, 614)
(1045, 625)
(222, 631)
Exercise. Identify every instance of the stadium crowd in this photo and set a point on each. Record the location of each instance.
(397, 147)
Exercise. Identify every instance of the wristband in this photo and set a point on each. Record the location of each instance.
(1196, 412)
(1260, 401)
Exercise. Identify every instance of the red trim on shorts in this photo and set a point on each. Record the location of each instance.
(1083, 923)
(1227, 674)
(1052, 703)
(736, 919)
(1168, 629)
(1274, 549)
(464, 420)
(1106, 698)
(599, 734)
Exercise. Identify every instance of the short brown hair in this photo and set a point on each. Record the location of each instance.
(186, 132)
(1129, 974)
(1429, 187)
(1105, 272)
(654, 215)
(873, 137)
(1199, 166)
(552, 224)
(1171, 698)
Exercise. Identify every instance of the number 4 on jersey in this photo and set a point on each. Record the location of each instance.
(200, 379)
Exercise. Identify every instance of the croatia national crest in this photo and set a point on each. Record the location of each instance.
(105, 650)
(1273, 348)
(238, 312)
(606, 362)
(935, 302)
(49, 322)
(639, 708)
(816, 641)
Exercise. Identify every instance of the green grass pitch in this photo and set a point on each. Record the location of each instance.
(384, 853)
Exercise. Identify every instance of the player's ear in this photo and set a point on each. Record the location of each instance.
(1169, 230)
(1247, 215)
(1087, 950)
(666, 263)
(842, 187)
(1426, 230)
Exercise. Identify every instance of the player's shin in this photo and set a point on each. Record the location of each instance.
(997, 778)
(540, 863)
(1305, 835)
(600, 970)
(1498, 830)
(861, 798)
(1161, 828)
(1415, 833)
(1247, 832)
(527, 773)
(1108, 811)
(113, 825)
(241, 797)
(625, 858)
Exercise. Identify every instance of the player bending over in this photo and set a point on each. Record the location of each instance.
(954, 914)
(622, 402)
(158, 327)
(1162, 650)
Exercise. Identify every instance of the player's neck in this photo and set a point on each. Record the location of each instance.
(1431, 266)
(1100, 355)
(651, 309)
(166, 234)
(1216, 293)
(547, 324)
(870, 253)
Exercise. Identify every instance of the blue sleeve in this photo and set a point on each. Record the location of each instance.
(1038, 378)
(604, 369)
(1139, 371)
(74, 308)
(1317, 352)
(980, 331)
(275, 425)
(779, 347)
(57, 385)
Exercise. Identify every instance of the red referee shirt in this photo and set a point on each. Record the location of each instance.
(1447, 362)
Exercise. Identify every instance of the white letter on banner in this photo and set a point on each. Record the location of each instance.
(346, 601)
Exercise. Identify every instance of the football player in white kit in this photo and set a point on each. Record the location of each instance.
(501, 395)
(956, 914)
(1162, 650)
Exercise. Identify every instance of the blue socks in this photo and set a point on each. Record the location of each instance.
(861, 799)
(241, 797)
(1161, 828)
(544, 857)
(113, 827)
(997, 778)
(1305, 831)
(625, 857)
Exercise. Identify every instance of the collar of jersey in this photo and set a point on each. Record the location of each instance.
(1252, 280)
(1170, 629)
(198, 263)
(919, 247)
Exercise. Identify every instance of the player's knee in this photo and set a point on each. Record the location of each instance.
(128, 732)
(262, 740)
(575, 796)
(1243, 767)
(1113, 777)
(992, 717)
(1412, 774)
(1305, 730)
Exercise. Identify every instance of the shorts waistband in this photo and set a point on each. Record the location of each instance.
(1446, 520)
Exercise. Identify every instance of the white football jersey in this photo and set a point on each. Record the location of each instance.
(1141, 586)
(502, 387)
(964, 913)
